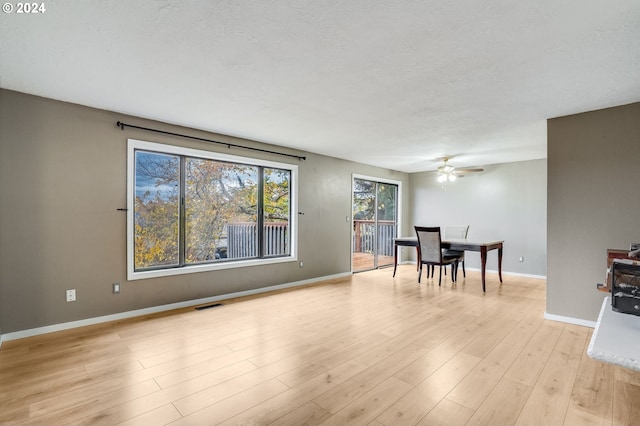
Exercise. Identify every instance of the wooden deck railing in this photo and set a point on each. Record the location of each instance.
(364, 236)
(242, 239)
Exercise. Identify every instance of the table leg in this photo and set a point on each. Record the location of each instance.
(483, 261)
(395, 259)
(500, 262)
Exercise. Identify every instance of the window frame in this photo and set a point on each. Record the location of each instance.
(134, 144)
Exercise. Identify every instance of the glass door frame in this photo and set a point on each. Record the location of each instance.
(377, 180)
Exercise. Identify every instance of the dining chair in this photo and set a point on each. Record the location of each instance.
(430, 249)
(455, 232)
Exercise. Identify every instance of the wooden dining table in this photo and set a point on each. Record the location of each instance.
(459, 245)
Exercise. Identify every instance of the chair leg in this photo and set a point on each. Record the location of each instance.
(464, 274)
(440, 277)
(420, 272)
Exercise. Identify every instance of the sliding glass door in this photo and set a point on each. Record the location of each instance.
(375, 223)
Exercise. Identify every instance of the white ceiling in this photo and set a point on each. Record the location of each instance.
(395, 84)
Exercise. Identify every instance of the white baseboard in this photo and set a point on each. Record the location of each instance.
(570, 320)
(513, 274)
(155, 309)
(491, 271)
(518, 274)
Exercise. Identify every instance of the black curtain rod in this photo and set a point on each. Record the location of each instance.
(228, 145)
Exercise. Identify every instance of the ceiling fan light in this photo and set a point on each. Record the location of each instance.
(442, 178)
(452, 177)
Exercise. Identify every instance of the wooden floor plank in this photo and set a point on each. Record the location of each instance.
(229, 407)
(345, 393)
(424, 366)
(626, 406)
(320, 362)
(472, 390)
(592, 394)
(307, 414)
(140, 406)
(274, 409)
(526, 368)
(550, 397)
(157, 417)
(446, 413)
(579, 417)
(503, 404)
(64, 411)
(367, 407)
(425, 396)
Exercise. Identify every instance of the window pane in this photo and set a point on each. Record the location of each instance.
(276, 211)
(220, 211)
(156, 217)
(387, 227)
(364, 213)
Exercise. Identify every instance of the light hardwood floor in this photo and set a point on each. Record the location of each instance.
(369, 349)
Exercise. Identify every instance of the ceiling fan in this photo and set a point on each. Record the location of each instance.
(447, 172)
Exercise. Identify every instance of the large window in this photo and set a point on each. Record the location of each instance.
(192, 210)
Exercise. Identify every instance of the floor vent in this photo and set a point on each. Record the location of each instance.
(215, 305)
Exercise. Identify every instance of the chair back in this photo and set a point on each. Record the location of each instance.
(430, 243)
(456, 232)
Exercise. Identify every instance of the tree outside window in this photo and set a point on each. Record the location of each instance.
(190, 211)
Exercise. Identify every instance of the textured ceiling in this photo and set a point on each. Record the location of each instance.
(395, 84)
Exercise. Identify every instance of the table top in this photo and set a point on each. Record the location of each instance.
(616, 339)
(414, 241)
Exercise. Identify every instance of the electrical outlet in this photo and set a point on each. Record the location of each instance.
(301, 264)
(521, 259)
(116, 288)
(71, 295)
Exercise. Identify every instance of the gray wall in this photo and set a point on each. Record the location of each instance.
(62, 177)
(506, 202)
(593, 203)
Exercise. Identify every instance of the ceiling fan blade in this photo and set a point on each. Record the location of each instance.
(469, 170)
